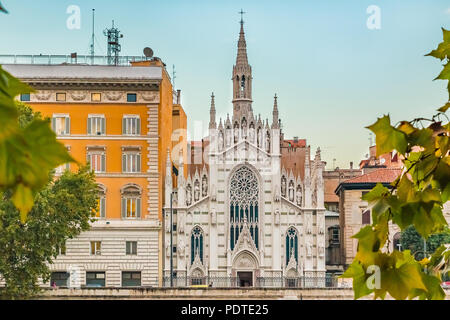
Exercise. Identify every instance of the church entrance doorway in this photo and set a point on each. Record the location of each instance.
(245, 279)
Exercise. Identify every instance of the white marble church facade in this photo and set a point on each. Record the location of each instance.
(241, 214)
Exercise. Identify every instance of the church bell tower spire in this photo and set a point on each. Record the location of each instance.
(242, 79)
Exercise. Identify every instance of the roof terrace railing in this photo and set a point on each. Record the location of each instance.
(66, 59)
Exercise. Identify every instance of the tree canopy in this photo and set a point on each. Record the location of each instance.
(415, 198)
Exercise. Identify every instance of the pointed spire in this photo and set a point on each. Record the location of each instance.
(212, 113)
(241, 58)
(275, 122)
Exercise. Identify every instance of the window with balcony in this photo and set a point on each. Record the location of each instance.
(61, 124)
(131, 202)
(96, 125)
(131, 125)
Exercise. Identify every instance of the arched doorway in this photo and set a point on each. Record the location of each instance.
(245, 267)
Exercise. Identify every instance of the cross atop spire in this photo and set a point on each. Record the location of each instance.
(242, 16)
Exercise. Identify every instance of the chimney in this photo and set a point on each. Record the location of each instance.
(351, 165)
(296, 140)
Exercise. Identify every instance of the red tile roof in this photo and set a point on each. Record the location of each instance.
(383, 175)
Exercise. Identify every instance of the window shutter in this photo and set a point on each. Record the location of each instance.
(67, 125)
(103, 167)
(89, 125)
(138, 208)
(103, 128)
(138, 162)
(138, 126)
(124, 125)
(103, 207)
(124, 208)
(124, 162)
(54, 124)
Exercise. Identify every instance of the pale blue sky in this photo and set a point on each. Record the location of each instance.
(333, 75)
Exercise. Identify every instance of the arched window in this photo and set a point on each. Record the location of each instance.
(396, 241)
(196, 244)
(131, 202)
(244, 195)
(242, 83)
(291, 244)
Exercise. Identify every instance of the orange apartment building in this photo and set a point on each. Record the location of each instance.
(120, 119)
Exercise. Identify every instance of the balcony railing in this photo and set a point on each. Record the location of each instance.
(69, 59)
(261, 282)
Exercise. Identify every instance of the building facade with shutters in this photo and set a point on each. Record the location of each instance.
(117, 119)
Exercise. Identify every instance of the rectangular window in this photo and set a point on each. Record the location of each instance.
(174, 227)
(174, 249)
(59, 279)
(335, 235)
(131, 125)
(97, 161)
(96, 96)
(131, 279)
(132, 207)
(131, 97)
(131, 247)
(95, 279)
(96, 125)
(61, 124)
(366, 217)
(96, 247)
(25, 97)
(131, 162)
(60, 96)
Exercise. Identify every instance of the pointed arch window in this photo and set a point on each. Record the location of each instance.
(196, 244)
(243, 86)
(291, 244)
(244, 205)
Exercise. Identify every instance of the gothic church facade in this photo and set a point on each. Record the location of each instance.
(253, 209)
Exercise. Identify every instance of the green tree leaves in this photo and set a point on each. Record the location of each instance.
(28, 149)
(414, 200)
(62, 209)
(388, 138)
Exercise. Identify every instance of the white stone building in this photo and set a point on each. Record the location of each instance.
(241, 214)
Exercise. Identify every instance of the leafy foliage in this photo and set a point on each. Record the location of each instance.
(411, 240)
(27, 153)
(61, 210)
(415, 199)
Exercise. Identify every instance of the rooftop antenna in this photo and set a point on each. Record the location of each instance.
(173, 75)
(114, 47)
(93, 37)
